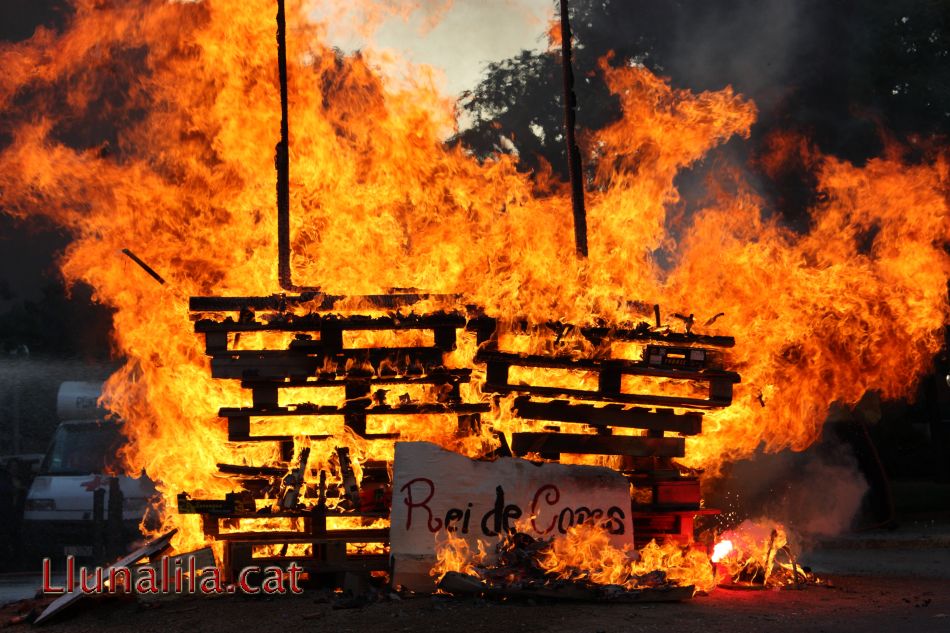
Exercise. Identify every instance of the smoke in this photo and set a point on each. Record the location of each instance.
(750, 44)
(814, 494)
(826, 498)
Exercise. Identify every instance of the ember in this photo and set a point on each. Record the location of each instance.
(758, 555)
(581, 565)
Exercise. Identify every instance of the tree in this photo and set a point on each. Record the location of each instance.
(835, 70)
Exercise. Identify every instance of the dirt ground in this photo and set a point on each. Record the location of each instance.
(851, 603)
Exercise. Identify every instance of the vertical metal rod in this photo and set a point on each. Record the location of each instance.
(115, 540)
(574, 165)
(16, 415)
(282, 159)
(98, 524)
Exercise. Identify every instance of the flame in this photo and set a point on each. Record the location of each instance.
(586, 551)
(585, 554)
(454, 553)
(150, 125)
(721, 550)
(749, 554)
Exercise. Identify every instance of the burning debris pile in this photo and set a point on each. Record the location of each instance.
(581, 565)
(584, 564)
(757, 555)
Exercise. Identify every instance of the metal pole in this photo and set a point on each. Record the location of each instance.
(282, 159)
(98, 524)
(115, 541)
(17, 386)
(574, 165)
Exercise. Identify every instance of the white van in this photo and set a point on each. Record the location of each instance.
(58, 513)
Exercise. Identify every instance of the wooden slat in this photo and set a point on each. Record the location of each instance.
(301, 363)
(485, 326)
(609, 415)
(421, 408)
(252, 471)
(438, 377)
(303, 513)
(576, 443)
(318, 438)
(669, 402)
(312, 300)
(622, 366)
(315, 322)
(370, 535)
(640, 334)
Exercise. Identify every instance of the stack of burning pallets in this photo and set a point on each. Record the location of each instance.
(317, 358)
(666, 501)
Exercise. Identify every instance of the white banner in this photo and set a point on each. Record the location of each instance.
(436, 492)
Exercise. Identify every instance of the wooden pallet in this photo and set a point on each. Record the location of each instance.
(354, 415)
(609, 376)
(328, 547)
(485, 327)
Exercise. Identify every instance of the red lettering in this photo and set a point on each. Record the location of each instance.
(93, 585)
(294, 571)
(244, 582)
(48, 579)
(432, 523)
(70, 573)
(119, 577)
(551, 496)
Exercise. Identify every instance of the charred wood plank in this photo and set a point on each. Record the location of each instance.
(313, 322)
(483, 326)
(369, 535)
(298, 364)
(614, 366)
(609, 415)
(230, 505)
(318, 438)
(251, 471)
(300, 513)
(576, 443)
(597, 334)
(668, 402)
(417, 408)
(312, 300)
(440, 376)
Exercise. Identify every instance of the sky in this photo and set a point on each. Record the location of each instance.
(463, 39)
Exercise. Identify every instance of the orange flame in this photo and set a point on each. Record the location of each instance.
(749, 553)
(586, 554)
(721, 550)
(586, 551)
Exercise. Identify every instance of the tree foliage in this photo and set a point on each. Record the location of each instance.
(839, 71)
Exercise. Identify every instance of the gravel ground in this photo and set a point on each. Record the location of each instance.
(886, 581)
(850, 603)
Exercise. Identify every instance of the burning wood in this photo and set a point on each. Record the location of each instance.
(750, 557)
(580, 565)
